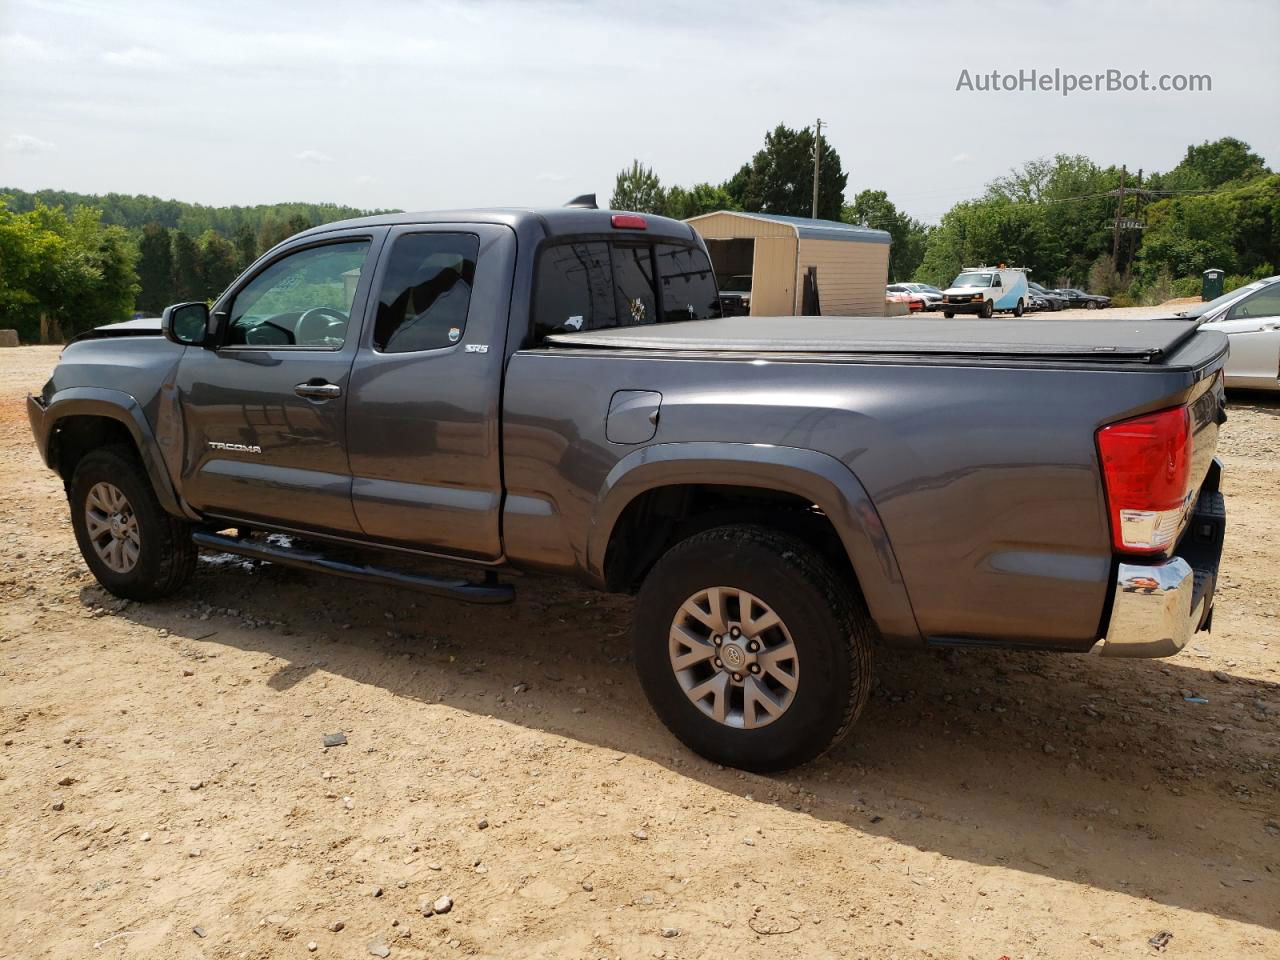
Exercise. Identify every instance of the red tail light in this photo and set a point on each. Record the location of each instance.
(1146, 468)
(628, 221)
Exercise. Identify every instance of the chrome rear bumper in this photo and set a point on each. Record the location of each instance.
(1156, 608)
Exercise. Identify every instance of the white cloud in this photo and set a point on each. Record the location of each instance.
(552, 177)
(961, 158)
(19, 46)
(364, 179)
(313, 156)
(25, 143)
(136, 58)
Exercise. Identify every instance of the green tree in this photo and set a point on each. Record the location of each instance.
(908, 236)
(779, 178)
(186, 269)
(275, 231)
(1213, 164)
(216, 264)
(1236, 230)
(638, 189)
(155, 269)
(682, 203)
(246, 242)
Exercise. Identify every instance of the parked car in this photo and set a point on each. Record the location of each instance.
(1250, 317)
(986, 291)
(735, 295)
(931, 296)
(897, 293)
(1090, 301)
(1052, 299)
(556, 391)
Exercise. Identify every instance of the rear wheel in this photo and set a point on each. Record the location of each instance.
(751, 649)
(131, 545)
(1091, 304)
(1017, 311)
(949, 314)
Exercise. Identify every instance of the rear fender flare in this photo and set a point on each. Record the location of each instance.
(818, 477)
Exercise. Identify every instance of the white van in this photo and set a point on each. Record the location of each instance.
(985, 290)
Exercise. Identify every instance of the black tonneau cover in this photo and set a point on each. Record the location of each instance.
(1140, 341)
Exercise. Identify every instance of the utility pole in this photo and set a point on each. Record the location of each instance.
(1115, 232)
(817, 166)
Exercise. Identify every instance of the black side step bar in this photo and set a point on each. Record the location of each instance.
(465, 590)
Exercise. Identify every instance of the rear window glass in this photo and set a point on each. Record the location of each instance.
(426, 292)
(633, 285)
(688, 284)
(594, 285)
(574, 289)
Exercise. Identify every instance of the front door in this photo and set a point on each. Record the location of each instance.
(265, 413)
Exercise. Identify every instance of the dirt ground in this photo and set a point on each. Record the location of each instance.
(164, 791)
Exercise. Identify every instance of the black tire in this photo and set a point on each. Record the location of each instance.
(166, 555)
(825, 617)
(949, 314)
(1091, 304)
(988, 308)
(1017, 311)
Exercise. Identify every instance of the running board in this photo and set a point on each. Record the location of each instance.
(488, 592)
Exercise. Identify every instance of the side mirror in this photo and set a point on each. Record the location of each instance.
(187, 324)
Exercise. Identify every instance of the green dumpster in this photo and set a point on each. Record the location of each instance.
(1211, 284)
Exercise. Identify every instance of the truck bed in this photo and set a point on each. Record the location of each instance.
(1127, 341)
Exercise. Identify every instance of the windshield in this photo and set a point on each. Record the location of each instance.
(973, 280)
(1200, 309)
(738, 284)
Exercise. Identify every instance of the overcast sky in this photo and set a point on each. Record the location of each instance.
(426, 105)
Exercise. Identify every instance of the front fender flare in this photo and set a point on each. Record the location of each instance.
(123, 408)
(818, 477)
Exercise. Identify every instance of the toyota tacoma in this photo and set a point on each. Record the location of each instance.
(558, 391)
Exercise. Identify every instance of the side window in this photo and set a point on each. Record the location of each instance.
(995, 280)
(573, 289)
(633, 284)
(302, 300)
(1264, 303)
(426, 291)
(688, 283)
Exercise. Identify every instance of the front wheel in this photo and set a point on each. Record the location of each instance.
(1091, 305)
(949, 314)
(751, 649)
(988, 308)
(131, 545)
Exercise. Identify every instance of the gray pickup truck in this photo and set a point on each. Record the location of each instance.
(557, 391)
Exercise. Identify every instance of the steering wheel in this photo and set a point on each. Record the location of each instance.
(317, 326)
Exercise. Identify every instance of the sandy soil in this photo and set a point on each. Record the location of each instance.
(164, 791)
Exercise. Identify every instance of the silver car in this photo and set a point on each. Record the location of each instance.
(1250, 317)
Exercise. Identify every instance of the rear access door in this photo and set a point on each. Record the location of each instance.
(423, 419)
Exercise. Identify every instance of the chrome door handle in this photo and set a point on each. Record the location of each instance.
(318, 391)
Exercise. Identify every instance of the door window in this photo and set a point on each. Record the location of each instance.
(1264, 303)
(426, 292)
(302, 300)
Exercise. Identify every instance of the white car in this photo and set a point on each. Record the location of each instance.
(1250, 317)
(931, 296)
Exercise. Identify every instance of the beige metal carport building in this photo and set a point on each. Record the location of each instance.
(851, 264)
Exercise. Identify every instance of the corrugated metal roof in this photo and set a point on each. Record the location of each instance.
(808, 227)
